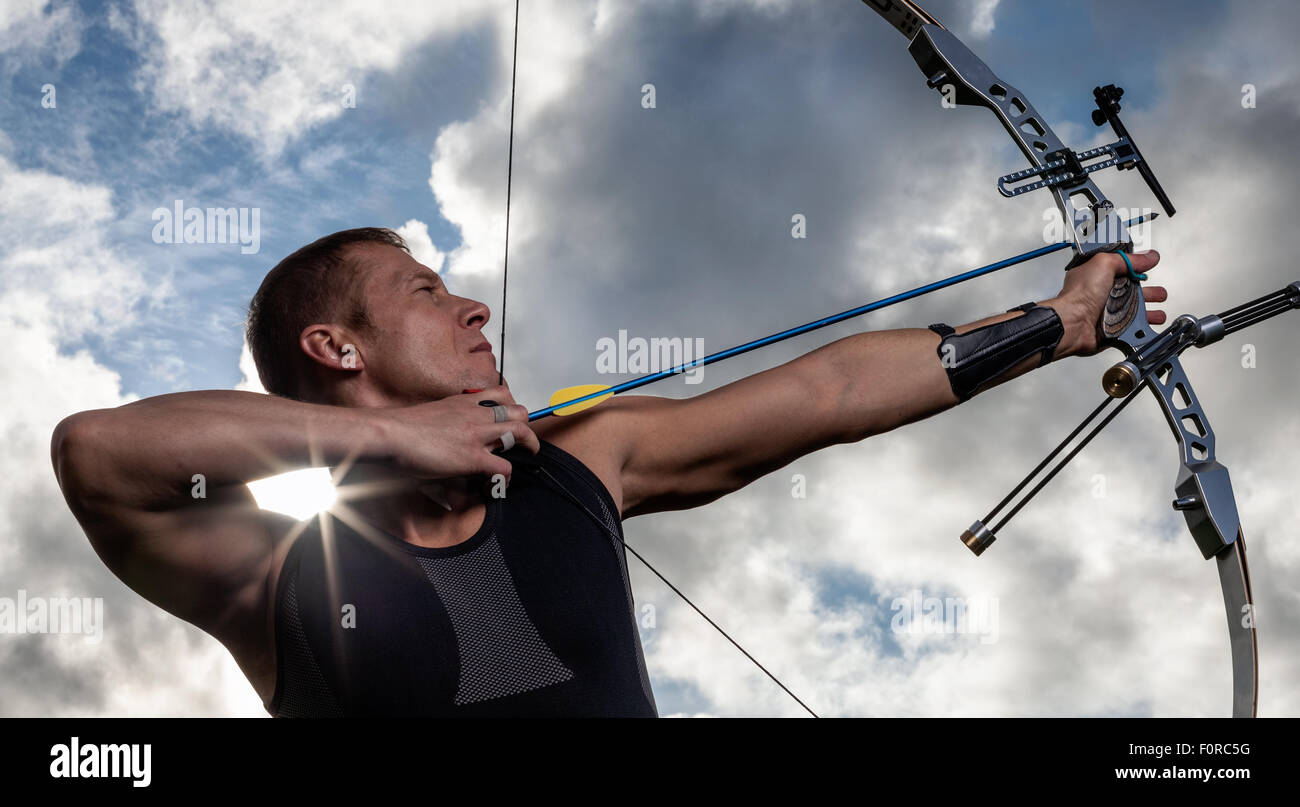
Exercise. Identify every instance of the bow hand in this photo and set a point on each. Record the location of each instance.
(1086, 291)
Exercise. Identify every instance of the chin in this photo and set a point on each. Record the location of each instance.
(483, 380)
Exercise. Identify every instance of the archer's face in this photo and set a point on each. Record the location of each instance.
(426, 343)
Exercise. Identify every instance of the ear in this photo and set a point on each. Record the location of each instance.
(331, 346)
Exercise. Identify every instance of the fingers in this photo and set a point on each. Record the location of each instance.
(492, 464)
(502, 397)
(498, 394)
(516, 434)
(516, 423)
(1142, 262)
(490, 436)
(1155, 294)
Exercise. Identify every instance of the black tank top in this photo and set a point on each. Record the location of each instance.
(532, 616)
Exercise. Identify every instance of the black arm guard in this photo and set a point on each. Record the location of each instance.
(982, 355)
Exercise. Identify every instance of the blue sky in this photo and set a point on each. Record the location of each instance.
(675, 222)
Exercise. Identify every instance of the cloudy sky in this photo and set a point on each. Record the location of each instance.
(675, 221)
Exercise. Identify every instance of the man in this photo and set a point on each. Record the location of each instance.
(430, 593)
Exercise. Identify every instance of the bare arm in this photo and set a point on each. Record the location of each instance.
(128, 475)
(683, 453)
(144, 454)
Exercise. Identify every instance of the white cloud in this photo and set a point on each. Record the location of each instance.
(54, 258)
(321, 161)
(982, 17)
(469, 155)
(250, 382)
(422, 248)
(60, 280)
(32, 29)
(270, 71)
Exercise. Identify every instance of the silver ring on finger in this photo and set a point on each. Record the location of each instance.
(499, 413)
(507, 439)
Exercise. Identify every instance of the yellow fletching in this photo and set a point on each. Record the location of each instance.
(570, 393)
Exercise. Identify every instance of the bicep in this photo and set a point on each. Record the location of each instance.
(684, 453)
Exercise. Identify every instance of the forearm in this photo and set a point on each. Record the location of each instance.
(885, 379)
(147, 452)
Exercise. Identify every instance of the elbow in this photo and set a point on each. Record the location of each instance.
(69, 447)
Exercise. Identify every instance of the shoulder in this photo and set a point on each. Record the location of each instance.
(603, 437)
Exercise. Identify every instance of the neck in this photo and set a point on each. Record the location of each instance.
(432, 513)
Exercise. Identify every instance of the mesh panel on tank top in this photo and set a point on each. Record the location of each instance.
(305, 692)
(501, 652)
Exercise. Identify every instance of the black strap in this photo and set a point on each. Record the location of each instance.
(942, 329)
(986, 353)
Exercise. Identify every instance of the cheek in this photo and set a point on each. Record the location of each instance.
(412, 346)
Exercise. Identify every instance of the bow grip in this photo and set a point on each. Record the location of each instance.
(1123, 303)
(1122, 307)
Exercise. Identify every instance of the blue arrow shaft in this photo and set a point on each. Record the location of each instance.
(812, 326)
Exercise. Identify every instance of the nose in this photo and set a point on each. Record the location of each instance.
(476, 314)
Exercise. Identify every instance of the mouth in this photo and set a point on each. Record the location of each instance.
(482, 348)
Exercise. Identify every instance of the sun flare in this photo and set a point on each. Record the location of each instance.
(298, 494)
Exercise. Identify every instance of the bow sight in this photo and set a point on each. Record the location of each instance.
(1067, 169)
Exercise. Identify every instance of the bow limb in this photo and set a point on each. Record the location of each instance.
(1234, 576)
(1203, 491)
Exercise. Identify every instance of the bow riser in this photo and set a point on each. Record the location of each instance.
(946, 62)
